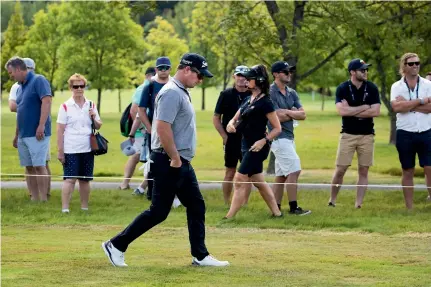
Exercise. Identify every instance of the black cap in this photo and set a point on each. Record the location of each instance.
(196, 61)
(357, 64)
(150, 70)
(255, 73)
(281, 66)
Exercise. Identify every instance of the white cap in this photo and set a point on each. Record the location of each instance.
(29, 63)
(127, 147)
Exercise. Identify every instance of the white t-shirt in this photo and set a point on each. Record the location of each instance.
(412, 121)
(13, 90)
(78, 125)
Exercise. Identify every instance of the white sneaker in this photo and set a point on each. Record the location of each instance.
(209, 261)
(176, 202)
(114, 255)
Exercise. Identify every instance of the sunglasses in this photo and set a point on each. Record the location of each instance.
(163, 68)
(411, 64)
(78, 86)
(363, 71)
(199, 74)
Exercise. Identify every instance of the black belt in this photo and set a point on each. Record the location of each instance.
(159, 150)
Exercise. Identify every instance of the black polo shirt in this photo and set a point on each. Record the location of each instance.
(228, 104)
(357, 97)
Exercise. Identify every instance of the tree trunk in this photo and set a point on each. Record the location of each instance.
(119, 101)
(203, 99)
(271, 164)
(322, 96)
(99, 99)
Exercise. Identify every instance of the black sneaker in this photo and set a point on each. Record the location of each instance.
(299, 211)
(331, 204)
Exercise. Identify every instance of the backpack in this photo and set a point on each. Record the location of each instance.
(126, 120)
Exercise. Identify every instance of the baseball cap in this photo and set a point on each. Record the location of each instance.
(127, 147)
(254, 73)
(163, 61)
(357, 64)
(150, 70)
(280, 66)
(196, 61)
(29, 63)
(241, 70)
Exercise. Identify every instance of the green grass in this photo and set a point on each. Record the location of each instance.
(379, 245)
(316, 140)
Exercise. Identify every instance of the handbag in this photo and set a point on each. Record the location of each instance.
(99, 144)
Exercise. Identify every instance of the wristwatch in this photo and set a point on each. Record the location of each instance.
(422, 101)
(131, 136)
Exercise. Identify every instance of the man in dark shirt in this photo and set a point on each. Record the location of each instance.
(358, 102)
(228, 104)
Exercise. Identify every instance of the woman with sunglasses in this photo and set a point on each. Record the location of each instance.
(251, 120)
(74, 128)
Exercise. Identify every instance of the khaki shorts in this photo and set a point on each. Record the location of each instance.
(362, 144)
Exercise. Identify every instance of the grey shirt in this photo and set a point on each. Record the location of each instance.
(173, 105)
(291, 99)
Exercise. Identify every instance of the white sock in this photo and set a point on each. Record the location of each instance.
(84, 208)
(65, 210)
(141, 190)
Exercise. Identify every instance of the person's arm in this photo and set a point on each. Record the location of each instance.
(425, 109)
(166, 136)
(373, 112)
(60, 142)
(282, 115)
(94, 114)
(230, 128)
(15, 139)
(134, 111)
(401, 105)
(298, 114)
(219, 127)
(136, 124)
(45, 111)
(12, 106)
(345, 110)
(144, 118)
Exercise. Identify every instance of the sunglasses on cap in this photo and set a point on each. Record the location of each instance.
(78, 86)
(363, 71)
(163, 68)
(411, 64)
(199, 74)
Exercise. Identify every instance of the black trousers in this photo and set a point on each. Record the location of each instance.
(169, 182)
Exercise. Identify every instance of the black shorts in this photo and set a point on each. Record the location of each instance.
(78, 165)
(252, 162)
(232, 151)
(409, 144)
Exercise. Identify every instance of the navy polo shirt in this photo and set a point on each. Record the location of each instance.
(355, 98)
(29, 103)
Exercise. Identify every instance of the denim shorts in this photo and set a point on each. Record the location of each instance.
(33, 152)
(78, 165)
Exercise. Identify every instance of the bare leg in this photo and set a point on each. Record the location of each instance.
(278, 188)
(266, 193)
(238, 195)
(84, 192)
(227, 184)
(247, 187)
(42, 182)
(362, 182)
(129, 169)
(32, 183)
(427, 171)
(66, 192)
(292, 187)
(407, 180)
(339, 173)
(144, 184)
(48, 178)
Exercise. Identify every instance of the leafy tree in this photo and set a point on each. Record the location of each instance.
(101, 41)
(162, 40)
(14, 37)
(44, 41)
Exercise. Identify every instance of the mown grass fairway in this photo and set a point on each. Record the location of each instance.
(380, 245)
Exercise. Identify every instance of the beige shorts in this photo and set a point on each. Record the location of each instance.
(362, 144)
